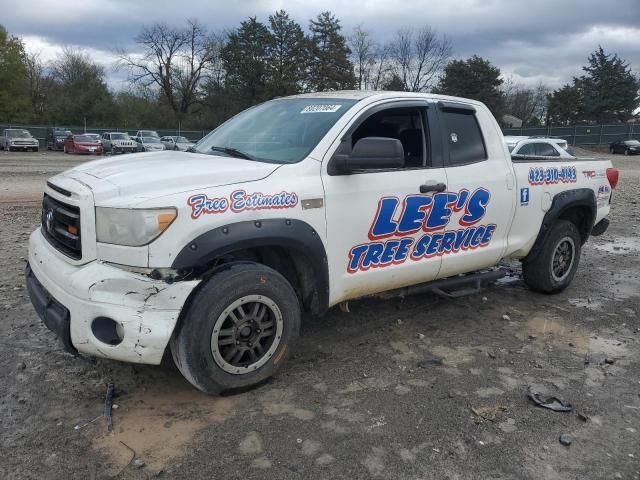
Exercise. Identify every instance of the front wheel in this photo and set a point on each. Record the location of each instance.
(626, 152)
(555, 265)
(239, 329)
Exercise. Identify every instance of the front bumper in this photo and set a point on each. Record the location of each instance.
(69, 298)
(124, 149)
(22, 147)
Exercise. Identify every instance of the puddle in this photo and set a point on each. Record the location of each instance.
(159, 422)
(553, 330)
(621, 245)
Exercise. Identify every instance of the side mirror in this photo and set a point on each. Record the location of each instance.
(371, 153)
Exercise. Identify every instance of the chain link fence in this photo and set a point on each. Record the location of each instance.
(582, 134)
(40, 131)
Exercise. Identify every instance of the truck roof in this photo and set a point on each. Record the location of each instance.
(373, 94)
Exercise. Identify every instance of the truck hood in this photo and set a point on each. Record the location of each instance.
(134, 178)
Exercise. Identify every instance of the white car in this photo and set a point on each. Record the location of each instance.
(18, 139)
(177, 143)
(298, 204)
(541, 147)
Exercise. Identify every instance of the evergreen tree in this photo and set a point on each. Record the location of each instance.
(330, 68)
(15, 103)
(609, 89)
(394, 83)
(245, 61)
(564, 106)
(474, 78)
(287, 54)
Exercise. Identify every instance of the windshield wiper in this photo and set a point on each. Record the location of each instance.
(234, 152)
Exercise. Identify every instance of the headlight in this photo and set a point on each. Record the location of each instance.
(132, 227)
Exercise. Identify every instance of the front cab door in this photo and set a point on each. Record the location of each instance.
(378, 219)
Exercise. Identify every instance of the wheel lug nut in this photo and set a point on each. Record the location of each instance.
(249, 344)
(237, 342)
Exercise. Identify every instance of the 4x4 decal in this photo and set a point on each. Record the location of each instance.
(429, 214)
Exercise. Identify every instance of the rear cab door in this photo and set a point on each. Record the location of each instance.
(376, 218)
(481, 186)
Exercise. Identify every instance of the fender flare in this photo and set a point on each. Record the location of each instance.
(292, 234)
(579, 197)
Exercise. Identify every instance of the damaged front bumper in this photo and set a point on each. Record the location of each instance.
(110, 312)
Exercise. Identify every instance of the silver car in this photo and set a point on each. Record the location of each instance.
(149, 144)
(18, 139)
(172, 142)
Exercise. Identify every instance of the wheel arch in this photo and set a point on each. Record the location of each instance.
(577, 206)
(291, 247)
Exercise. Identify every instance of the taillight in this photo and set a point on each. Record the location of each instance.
(612, 176)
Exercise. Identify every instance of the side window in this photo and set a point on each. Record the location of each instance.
(463, 137)
(546, 150)
(404, 124)
(527, 149)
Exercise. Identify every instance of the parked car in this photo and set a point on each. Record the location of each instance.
(149, 144)
(177, 143)
(513, 140)
(18, 139)
(118, 142)
(146, 133)
(56, 137)
(540, 147)
(627, 147)
(299, 204)
(83, 143)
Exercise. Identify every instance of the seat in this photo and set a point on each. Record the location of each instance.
(411, 139)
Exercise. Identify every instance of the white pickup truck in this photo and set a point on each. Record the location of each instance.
(298, 204)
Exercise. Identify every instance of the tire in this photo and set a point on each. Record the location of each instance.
(612, 150)
(64, 149)
(208, 359)
(562, 245)
(626, 152)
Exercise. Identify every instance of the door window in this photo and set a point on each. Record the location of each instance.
(545, 150)
(463, 137)
(404, 124)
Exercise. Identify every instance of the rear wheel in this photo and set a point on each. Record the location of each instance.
(555, 265)
(238, 330)
(626, 151)
(612, 150)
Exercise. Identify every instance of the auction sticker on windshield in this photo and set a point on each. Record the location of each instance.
(321, 109)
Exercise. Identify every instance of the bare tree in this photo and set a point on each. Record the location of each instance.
(38, 83)
(362, 51)
(176, 61)
(418, 57)
(527, 104)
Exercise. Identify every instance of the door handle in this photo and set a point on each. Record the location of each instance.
(433, 187)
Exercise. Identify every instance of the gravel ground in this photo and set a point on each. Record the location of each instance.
(425, 388)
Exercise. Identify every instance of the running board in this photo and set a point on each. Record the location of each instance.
(452, 287)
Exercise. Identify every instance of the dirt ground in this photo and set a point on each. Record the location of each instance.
(425, 388)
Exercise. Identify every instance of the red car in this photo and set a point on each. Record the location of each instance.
(84, 143)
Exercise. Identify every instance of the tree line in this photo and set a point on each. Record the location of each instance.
(192, 78)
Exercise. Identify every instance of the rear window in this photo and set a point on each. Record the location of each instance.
(464, 137)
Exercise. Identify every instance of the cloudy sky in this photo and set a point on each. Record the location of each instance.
(532, 40)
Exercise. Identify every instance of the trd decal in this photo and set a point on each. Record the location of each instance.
(201, 204)
(240, 201)
(428, 215)
(552, 175)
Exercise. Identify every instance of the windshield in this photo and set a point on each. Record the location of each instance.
(84, 138)
(93, 136)
(632, 142)
(182, 140)
(18, 134)
(59, 133)
(150, 140)
(148, 133)
(279, 131)
(119, 136)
